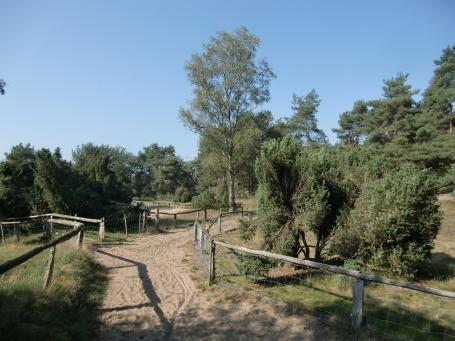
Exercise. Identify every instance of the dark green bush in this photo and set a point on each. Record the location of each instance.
(204, 200)
(394, 223)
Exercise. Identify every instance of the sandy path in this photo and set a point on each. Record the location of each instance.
(151, 296)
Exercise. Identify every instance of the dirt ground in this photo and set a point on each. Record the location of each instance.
(155, 294)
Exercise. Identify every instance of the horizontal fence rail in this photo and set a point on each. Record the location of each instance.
(369, 303)
(78, 229)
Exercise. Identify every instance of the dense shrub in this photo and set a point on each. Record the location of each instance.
(182, 195)
(204, 200)
(393, 224)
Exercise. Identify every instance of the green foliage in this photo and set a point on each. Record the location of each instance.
(223, 196)
(439, 97)
(228, 84)
(204, 200)
(16, 181)
(159, 172)
(2, 87)
(111, 167)
(303, 124)
(182, 195)
(253, 266)
(393, 224)
(60, 189)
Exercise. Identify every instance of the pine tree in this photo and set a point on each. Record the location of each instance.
(439, 97)
(304, 124)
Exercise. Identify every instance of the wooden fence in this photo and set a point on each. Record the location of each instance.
(78, 230)
(201, 236)
(50, 217)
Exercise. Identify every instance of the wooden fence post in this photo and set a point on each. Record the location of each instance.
(175, 220)
(80, 235)
(212, 262)
(357, 303)
(197, 216)
(139, 228)
(101, 232)
(48, 274)
(126, 226)
(219, 221)
(1, 229)
(195, 234)
(145, 227)
(157, 219)
(51, 226)
(241, 208)
(205, 214)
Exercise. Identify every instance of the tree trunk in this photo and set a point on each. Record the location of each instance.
(231, 188)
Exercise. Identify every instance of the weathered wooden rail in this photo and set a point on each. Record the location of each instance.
(359, 279)
(78, 230)
(51, 216)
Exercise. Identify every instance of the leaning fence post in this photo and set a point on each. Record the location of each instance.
(101, 232)
(212, 262)
(357, 303)
(126, 226)
(157, 219)
(49, 268)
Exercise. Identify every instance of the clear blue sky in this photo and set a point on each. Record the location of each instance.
(111, 72)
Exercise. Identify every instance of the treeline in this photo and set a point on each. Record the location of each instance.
(98, 181)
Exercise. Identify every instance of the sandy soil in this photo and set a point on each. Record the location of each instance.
(154, 294)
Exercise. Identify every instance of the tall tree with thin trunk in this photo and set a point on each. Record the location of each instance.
(228, 84)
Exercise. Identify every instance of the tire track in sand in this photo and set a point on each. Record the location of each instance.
(148, 288)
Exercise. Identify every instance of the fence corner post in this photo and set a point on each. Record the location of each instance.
(212, 262)
(48, 274)
(357, 303)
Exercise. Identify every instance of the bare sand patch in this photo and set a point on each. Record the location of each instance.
(155, 294)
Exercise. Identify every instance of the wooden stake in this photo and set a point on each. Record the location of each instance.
(126, 226)
(175, 220)
(48, 274)
(157, 219)
(101, 231)
(139, 228)
(212, 263)
(357, 303)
